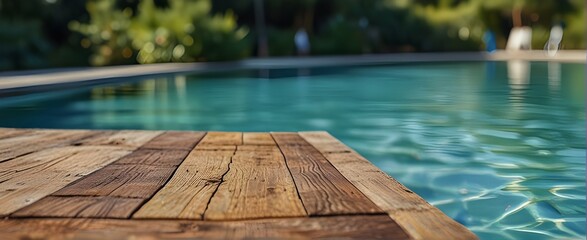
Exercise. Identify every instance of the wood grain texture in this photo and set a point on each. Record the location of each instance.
(188, 192)
(118, 189)
(49, 170)
(336, 227)
(129, 139)
(12, 132)
(37, 140)
(154, 157)
(175, 140)
(258, 185)
(383, 190)
(288, 138)
(324, 191)
(131, 181)
(430, 224)
(95, 207)
(414, 214)
(258, 148)
(252, 138)
(222, 138)
(31, 177)
(206, 147)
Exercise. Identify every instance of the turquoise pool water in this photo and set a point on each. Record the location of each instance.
(498, 146)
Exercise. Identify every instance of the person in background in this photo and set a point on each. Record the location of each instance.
(489, 39)
(302, 42)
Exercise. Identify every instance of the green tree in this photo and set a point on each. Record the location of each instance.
(181, 31)
(22, 44)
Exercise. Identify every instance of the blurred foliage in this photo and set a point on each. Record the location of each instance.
(281, 42)
(183, 31)
(32, 35)
(22, 45)
(57, 33)
(336, 29)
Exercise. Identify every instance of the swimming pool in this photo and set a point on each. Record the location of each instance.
(498, 146)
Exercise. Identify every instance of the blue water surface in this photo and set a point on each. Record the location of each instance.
(498, 146)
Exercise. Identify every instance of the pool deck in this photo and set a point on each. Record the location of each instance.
(71, 184)
(23, 82)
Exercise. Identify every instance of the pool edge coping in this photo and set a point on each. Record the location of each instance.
(23, 82)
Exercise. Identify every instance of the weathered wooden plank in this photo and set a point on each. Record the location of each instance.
(430, 224)
(132, 181)
(127, 140)
(223, 138)
(257, 148)
(253, 138)
(39, 139)
(207, 147)
(288, 138)
(258, 185)
(155, 157)
(188, 192)
(27, 179)
(12, 132)
(414, 214)
(95, 207)
(336, 227)
(175, 140)
(137, 175)
(50, 170)
(325, 142)
(324, 191)
(130, 139)
(383, 190)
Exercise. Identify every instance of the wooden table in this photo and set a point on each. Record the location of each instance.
(166, 184)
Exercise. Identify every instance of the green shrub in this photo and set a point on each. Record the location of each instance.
(183, 31)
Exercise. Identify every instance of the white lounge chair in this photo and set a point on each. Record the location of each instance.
(553, 43)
